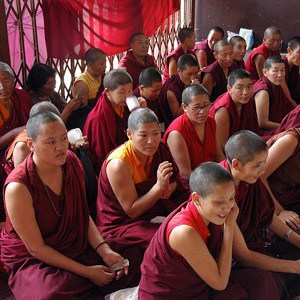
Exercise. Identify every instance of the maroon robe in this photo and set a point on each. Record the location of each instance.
(112, 220)
(260, 50)
(238, 64)
(175, 85)
(292, 78)
(176, 53)
(30, 278)
(246, 121)
(167, 275)
(285, 180)
(279, 104)
(135, 68)
(220, 80)
(18, 117)
(105, 130)
(291, 120)
(209, 53)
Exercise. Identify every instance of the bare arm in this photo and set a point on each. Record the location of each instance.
(259, 61)
(8, 137)
(174, 105)
(208, 82)
(20, 152)
(172, 67)
(262, 103)
(223, 121)
(214, 273)
(120, 177)
(260, 261)
(80, 91)
(72, 105)
(202, 58)
(180, 153)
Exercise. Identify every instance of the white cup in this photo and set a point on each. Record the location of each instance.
(75, 136)
(132, 103)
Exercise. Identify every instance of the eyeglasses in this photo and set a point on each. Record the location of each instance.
(199, 108)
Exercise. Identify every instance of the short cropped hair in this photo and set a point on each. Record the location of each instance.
(148, 76)
(243, 146)
(43, 106)
(271, 31)
(38, 76)
(135, 36)
(235, 39)
(139, 117)
(92, 55)
(187, 60)
(236, 75)
(272, 60)
(294, 42)
(6, 68)
(185, 33)
(114, 78)
(217, 29)
(205, 176)
(191, 91)
(35, 123)
(220, 44)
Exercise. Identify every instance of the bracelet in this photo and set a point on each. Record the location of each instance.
(287, 234)
(100, 245)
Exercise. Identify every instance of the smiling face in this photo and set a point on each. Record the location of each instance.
(51, 144)
(140, 46)
(241, 91)
(6, 86)
(276, 73)
(216, 206)
(145, 139)
(213, 38)
(49, 86)
(119, 95)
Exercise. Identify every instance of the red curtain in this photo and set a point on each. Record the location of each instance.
(73, 26)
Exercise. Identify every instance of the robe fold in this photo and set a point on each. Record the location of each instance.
(176, 53)
(30, 278)
(175, 85)
(292, 77)
(199, 152)
(209, 53)
(112, 220)
(18, 117)
(135, 68)
(285, 180)
(260, 50)
(238, 64)
(105, 130)
(291, 120)
(246, 121)
(279, 104)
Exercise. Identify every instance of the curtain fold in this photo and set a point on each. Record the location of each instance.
(74, 26)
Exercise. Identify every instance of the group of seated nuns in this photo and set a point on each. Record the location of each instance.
(197, 183)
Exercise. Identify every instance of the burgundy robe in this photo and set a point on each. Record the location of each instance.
(220, 80)
(292, 78)
(135, 68)
(246, 121)
(279, 104)
(30, 278)
(112, 220)
(175, 85)
(166, 275)
(18, 117)
(199, 152)
(291, 120)
(285, 180)
(238, 64)
(176, 53)
(209, 53)
(105, 130)
(260, 50)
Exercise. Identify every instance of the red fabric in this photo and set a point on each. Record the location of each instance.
(250, 65)
(238, 64)
(292, 78)
(135, 68)
(220, 81)
(209, 53)
(285, 180)
(279, 104)
(199, 152)
(291, 120)
(247, 120)
(107, 25)
(175, 85)
(105, 130)
(256, 210)
(114, 222)
(176, 53)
